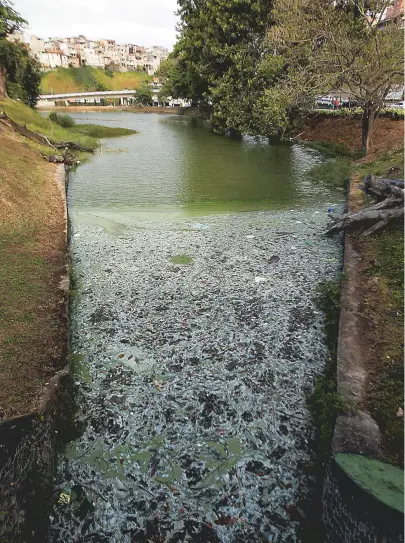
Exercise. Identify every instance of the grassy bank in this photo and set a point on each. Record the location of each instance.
(383, 302)
(33, 329)
(33, 258)
(28, 117)
(85, 135)
(87, 78)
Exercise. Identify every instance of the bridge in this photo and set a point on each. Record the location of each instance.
(126, 97)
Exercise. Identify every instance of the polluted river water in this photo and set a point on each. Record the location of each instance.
(195, 337)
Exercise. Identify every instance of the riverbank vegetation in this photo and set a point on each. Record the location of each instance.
(382, 268)
(87, 78)
(260, 65)
(95, 131)
(32, 245)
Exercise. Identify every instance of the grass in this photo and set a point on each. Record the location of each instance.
(86, 135)
(325, 403)
(335, 172)
(382, 164)
(329, 149)
(33, 255)
(87, 78)
(99, 131)
(386, 387)
(26, 116)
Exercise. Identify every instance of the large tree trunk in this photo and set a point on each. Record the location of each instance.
(370, 113)
(389, 194)
(3, 88)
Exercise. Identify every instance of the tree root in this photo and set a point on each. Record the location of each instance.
(389, 194)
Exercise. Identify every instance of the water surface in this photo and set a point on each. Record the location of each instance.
(195, 337)
(176, 167)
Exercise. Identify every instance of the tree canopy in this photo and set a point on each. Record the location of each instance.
(19, 72)
(10, 20)
(329, 45)
(261, 64)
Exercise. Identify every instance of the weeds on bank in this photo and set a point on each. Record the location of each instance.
(325, 403)
(95, 131)
(330, 149)
(386, 387)
(334, 173)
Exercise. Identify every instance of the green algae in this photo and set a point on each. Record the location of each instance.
(181, 259)
(383, 481)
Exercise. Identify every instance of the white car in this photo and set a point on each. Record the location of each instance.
(398, 105)
(325, 101)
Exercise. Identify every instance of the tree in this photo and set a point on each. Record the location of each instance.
(144, 96)
(220, 46)
(22, 72)
(10, 21)
(329, 45)
(31, 81)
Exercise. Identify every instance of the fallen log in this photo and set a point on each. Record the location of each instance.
(389, 207)
(373, 219)
(72, 146)
(57, 159)
(41, 139)
(380, 188)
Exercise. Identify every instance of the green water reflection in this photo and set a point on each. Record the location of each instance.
(176, 168)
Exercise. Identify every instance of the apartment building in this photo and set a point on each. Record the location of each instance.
(78, 50)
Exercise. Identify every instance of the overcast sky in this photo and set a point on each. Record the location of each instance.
(142, 22)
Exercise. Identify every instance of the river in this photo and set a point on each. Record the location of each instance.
(194, 334)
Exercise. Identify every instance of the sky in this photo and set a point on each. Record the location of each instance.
(141, 22)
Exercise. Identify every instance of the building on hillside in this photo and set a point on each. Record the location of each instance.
(78, 50)
(52, 58)
(93, 57)
(393, 13)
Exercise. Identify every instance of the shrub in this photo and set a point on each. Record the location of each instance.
(65, 121)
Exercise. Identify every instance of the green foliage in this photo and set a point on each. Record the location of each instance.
(391, 113)
(218, 55)
(99, 131)
(335, 172)
(330, 148)
(30, 82)
(22, 72)
(66, 121)
(10, 20)
(144, 96)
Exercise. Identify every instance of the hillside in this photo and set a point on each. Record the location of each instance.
(87, 78)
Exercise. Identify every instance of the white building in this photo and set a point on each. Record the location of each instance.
(77, 50)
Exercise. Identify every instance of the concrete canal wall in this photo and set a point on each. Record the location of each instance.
(351, 512)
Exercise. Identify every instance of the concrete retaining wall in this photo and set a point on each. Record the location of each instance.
(350, 514)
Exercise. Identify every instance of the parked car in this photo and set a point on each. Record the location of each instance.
(324, 101)
(397, 105)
